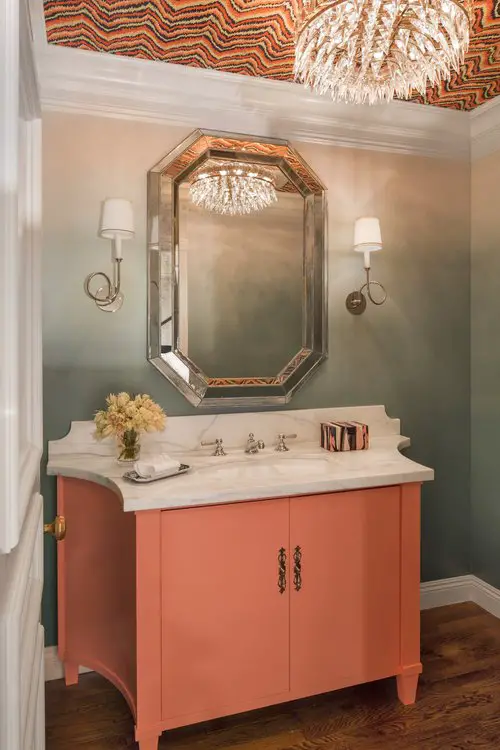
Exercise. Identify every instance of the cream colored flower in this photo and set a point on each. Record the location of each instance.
(122, 399)
(124, 413)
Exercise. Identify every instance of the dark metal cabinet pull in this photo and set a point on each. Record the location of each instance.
(297, 568)
(282, 570)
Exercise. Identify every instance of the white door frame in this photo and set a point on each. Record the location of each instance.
(20, 258)
(21, 541)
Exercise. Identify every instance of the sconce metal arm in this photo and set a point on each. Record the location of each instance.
(356, 301)
(369, 282)
(113, 287)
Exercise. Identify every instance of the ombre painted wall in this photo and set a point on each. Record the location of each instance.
(485, 402)
(412, 354)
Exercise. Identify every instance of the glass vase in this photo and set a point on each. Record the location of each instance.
(128, 447)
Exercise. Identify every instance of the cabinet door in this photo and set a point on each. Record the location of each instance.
(225, 625)
(345, 617)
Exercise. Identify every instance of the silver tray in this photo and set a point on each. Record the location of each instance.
(133, 476)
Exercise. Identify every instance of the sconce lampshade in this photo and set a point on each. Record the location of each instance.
(117, 220)
(367, 237)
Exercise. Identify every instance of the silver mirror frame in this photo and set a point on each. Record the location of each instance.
(163, 237)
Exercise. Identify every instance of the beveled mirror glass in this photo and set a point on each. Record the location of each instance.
(236, 247)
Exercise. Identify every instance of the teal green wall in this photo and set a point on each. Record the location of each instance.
(412, 354)
(485, 401)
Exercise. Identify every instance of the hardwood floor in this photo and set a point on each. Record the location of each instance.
(458, 705)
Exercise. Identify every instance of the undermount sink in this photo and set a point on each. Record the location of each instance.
(267, 468)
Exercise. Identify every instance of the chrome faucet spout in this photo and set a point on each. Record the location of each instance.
(253, 445)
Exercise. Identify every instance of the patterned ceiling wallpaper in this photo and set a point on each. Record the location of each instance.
(252, 37)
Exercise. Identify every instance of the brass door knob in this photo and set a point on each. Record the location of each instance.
(57, 528)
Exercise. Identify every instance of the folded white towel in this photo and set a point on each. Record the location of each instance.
(152, 466)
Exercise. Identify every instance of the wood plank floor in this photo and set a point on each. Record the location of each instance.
(458, 705)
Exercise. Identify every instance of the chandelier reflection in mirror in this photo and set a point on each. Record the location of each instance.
(233, 188)
(368, 51)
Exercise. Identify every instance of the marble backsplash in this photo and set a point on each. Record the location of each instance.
(185, 434)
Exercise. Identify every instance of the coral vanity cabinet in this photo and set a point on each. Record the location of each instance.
(209, 611)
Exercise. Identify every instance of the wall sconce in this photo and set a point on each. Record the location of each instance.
(116, 224)
(367, 239)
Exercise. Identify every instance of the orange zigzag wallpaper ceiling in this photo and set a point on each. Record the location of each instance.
(251, 37)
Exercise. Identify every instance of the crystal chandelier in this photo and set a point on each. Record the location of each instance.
(374, 50)
(233, 188)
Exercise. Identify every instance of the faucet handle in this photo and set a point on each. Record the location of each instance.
(219, 448)
(251, 438)
(282, 446)
(253, 445)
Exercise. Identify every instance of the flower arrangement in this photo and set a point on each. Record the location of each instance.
(126, 417)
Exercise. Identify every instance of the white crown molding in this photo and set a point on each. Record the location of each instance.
(37, 23)
(98, 84)
(485, 129)
(94, 83)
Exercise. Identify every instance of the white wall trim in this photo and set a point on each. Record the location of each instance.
(446, 591)
(467, 588)
(485, 596)
(485, 129)
(53, 665)
(93, 83)
(433, 594)
(37, 23)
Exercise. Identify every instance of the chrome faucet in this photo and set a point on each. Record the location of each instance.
(253, 445)
(281, 446)
(219, 448)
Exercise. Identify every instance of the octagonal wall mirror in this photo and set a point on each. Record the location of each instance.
(236, 252)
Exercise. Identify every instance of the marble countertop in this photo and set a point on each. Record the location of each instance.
(305, 469)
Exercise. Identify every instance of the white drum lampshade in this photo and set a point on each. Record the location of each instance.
(117, 222)
(367, 237)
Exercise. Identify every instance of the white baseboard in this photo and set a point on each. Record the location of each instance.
(433, 594)
(446, 591)
(467, 588)
(485, 596)
(53, 665)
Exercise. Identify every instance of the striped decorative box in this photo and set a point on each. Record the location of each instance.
(344, 436)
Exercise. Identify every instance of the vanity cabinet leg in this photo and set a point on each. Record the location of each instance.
(407, 688)
(149, 743)
(70, 673)
(410, 665)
